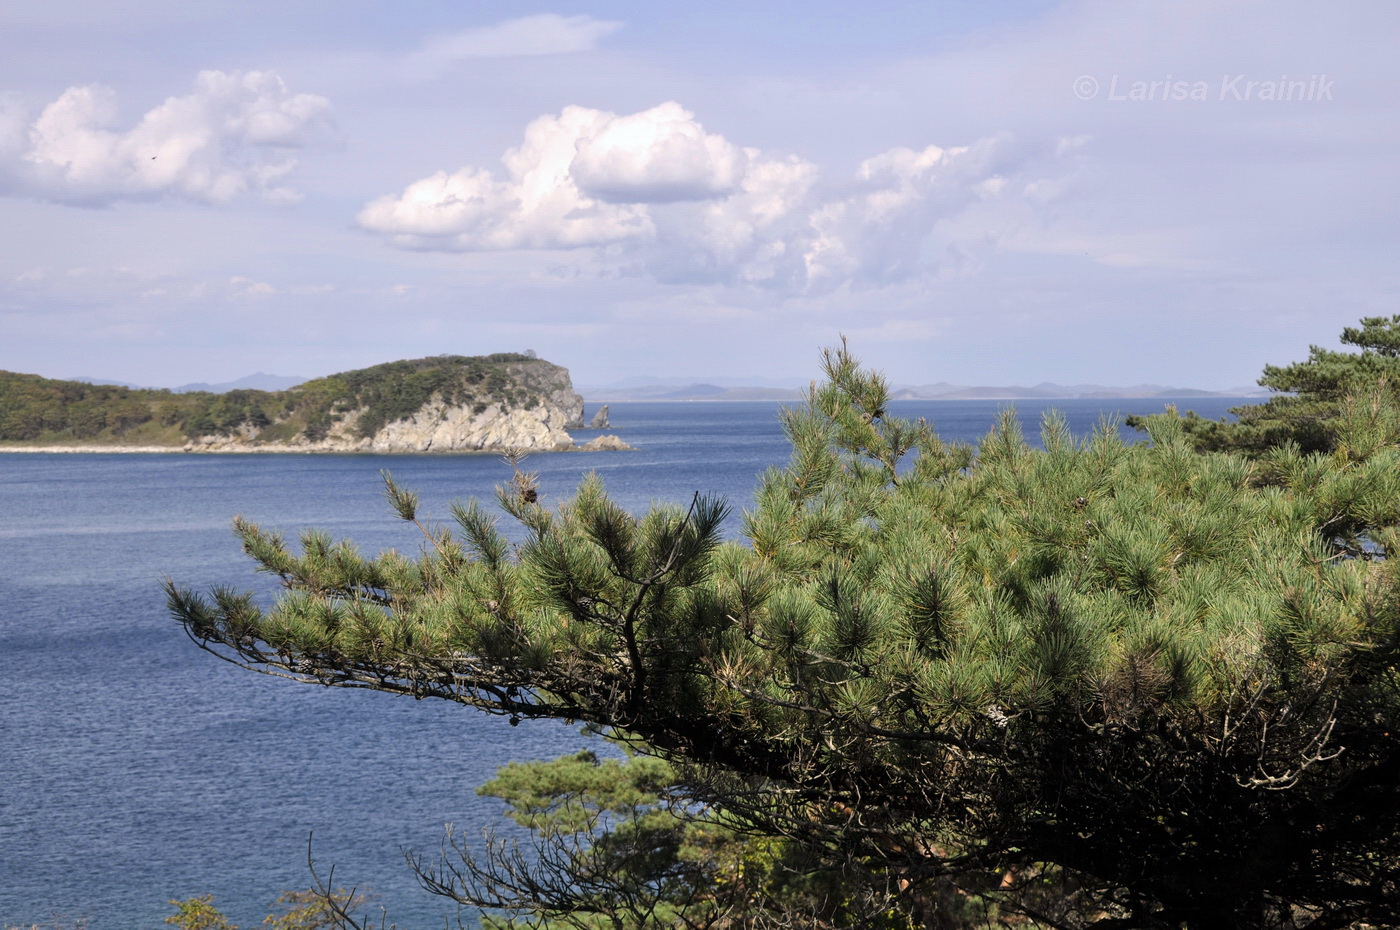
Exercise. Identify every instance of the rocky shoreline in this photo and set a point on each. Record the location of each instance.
(609, 443)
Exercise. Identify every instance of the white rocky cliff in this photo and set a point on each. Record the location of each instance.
(526, 404)
(438, 427)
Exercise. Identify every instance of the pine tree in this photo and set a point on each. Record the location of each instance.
(1096, 684)
(1313, 395)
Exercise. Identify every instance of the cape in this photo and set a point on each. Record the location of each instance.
(445, 403)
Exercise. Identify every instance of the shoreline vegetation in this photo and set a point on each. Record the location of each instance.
(608, 443)
(446, 403)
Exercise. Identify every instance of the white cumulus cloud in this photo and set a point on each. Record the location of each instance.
(589, 178)
(236, 133)
(544, 202)
(880, 229)
(538, 206)
(661, 155)
(655, 193)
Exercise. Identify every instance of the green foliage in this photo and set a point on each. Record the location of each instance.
(1099, 682)
(34, 409)
(198, 914)
(1313, 410)
(611, 846)
(312, 910)
(567, 794)
(297, 910)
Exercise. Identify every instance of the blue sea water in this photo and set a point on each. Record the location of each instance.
(135, 768)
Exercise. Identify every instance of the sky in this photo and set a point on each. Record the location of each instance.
(1113, 191)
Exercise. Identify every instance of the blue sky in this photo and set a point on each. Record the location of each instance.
(1118, 191)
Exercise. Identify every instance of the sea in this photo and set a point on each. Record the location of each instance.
(137, 769)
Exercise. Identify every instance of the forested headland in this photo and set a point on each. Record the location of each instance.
(352, 405)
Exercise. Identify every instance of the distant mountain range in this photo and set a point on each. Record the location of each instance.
(1049, 390)
(768, 389)
(259, 381)
(704, 390)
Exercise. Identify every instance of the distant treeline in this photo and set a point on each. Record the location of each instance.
(49, 410)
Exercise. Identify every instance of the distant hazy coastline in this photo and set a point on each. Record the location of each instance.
(664, 392)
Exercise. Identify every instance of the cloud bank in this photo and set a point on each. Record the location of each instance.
(235, 134)
(654, 192)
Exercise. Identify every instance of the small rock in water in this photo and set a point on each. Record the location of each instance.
(609, 443)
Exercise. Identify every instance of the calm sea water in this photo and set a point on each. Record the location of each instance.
(135, 768)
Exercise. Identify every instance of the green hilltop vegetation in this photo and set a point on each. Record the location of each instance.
(38, 411)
